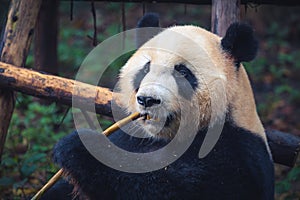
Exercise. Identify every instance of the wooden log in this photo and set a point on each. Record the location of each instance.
(55, 88)
(18, 33)
(285, 147)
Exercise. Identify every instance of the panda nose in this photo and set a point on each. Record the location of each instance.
(147, 101)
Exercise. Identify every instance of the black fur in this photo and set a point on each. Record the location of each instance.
(239, 167)
(143, 35)
(149, 20)
(240, 42)
(62, 190)
(140, 76)
(186, 81)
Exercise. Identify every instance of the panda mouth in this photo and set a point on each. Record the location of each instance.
(148, 117)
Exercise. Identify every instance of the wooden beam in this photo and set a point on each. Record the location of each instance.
(18, 33)
(206, 2)
(285, 147)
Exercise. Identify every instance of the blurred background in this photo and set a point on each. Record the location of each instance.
(37, 125)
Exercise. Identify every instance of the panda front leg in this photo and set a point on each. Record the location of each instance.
(93, 180)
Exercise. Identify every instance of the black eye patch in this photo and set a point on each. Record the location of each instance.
(140, 76)
(186, 81)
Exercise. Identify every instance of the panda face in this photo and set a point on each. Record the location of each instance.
(167, 76)
(160, 87)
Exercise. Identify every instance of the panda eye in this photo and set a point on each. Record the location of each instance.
(186, 80)
(181, 71)
(146, 67)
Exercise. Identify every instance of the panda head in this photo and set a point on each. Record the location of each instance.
(185, 72)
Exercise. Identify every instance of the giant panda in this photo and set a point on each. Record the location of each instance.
(188, 75)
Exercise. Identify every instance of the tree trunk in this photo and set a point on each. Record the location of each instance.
(45, 38)
(4, 6)
(19, 29)
(224, 12)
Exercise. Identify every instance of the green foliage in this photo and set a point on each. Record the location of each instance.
(285, 185)
(108, 78)
(256, 68)
(75, 38)
(277, 35)
(277, 72)
(104, 123)
(33, 131)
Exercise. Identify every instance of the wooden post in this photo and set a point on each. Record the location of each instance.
(18, 33)
(223, 13)
(45, 38)
(4, 6)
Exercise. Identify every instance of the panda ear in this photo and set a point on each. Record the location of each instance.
(240, 42)
(143, 35)
(149, 20)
